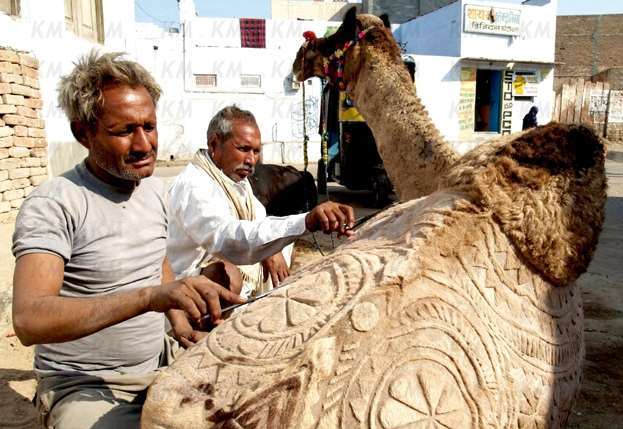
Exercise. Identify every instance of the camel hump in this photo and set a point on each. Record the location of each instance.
(558, 148)
(547, 189)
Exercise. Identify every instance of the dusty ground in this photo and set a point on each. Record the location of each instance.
(600, 404)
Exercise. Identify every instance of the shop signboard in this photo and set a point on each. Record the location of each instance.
(525, 84)
(507, 102)
(467, 100)
(615, 110)
(492, 20)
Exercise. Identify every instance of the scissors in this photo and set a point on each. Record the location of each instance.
(230, 308)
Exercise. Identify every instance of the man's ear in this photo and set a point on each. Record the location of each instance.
(213, 140)
(80, 131)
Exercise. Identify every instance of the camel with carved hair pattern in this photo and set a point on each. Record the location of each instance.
(456, 310)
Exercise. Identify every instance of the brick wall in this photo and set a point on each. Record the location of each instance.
(586, 46)
(23, 147)
(614, 76)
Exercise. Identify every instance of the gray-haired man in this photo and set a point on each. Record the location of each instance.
(214, 213)
(91, 279)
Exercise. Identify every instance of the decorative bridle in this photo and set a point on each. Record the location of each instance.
(336, 57)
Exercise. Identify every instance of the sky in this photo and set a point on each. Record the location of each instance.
(164, 12)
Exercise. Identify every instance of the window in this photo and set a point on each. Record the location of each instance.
(85, 18)
(10, 7)
(250, 80)
(205, 80)
(252, 33)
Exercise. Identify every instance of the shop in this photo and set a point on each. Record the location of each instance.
(481, 66)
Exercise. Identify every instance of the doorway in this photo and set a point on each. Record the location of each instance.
(488, 96)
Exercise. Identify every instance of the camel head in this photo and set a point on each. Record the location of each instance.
(547, 189)
(320, 57)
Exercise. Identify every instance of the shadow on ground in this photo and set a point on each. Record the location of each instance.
(600, 404)
(16, 409)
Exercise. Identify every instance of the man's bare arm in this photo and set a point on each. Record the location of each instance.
(178, 318)
(167, 271)
(40, 315)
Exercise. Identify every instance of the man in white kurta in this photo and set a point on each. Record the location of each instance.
(203, 225)
(215, 215)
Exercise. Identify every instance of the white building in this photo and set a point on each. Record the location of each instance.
(56, 32)
(481, 65)
(204, 67)
(322, 10)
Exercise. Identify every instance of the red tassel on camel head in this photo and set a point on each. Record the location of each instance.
(310, 36)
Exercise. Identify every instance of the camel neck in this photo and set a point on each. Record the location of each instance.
(414, 154)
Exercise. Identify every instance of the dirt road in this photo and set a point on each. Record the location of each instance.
(600, 404)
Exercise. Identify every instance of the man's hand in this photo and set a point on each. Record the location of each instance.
(276, 267)
(225, 274)
(329, 217)
(183, 330)
(195, 295)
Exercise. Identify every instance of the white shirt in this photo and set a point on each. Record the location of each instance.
(201, 222)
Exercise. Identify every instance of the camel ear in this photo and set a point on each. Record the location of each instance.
(349, 25)
(350, 16)
(347, 31)
(385, 19)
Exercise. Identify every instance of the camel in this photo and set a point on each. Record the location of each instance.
(455, 310)
(384, 94)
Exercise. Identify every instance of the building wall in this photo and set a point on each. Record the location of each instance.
(614, 76)
(327, 10)
(400, 11)
(438, 33)
(438, 85)
(212, 46)
(441, 33)
(40, 31)
(587, 45)
(536, 41)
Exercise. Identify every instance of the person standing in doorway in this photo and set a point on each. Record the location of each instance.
(529, 121)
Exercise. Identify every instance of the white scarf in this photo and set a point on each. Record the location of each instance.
(252, 275)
